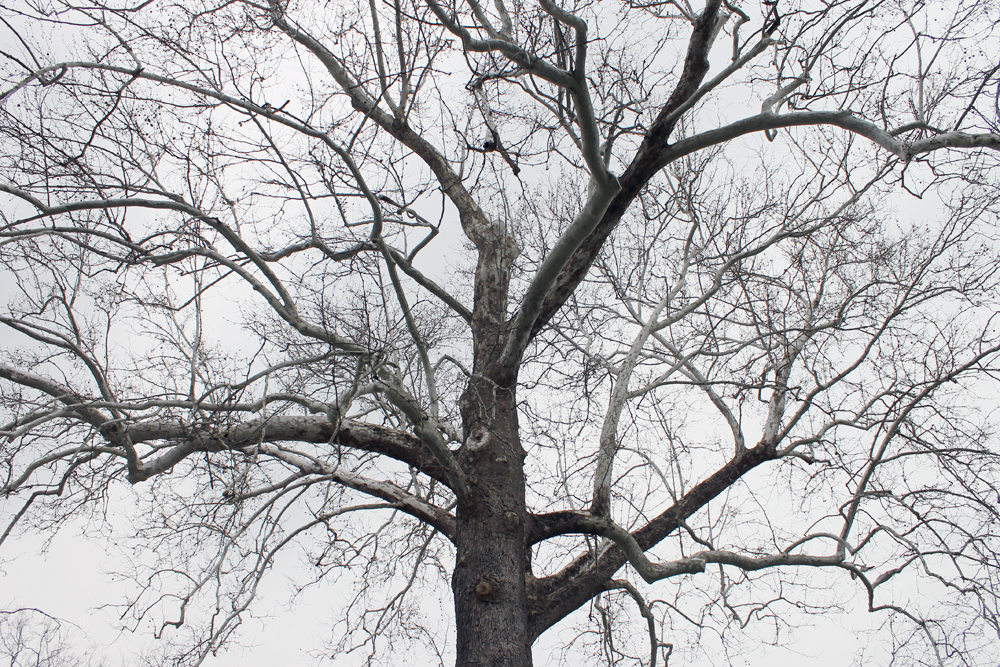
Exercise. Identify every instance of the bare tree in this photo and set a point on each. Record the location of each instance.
(717, 337)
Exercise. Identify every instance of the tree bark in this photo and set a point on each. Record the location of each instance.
(491, 604)
(488, 583)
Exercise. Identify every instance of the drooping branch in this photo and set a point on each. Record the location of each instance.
(279, 299)
(76, 402)
(644, 611)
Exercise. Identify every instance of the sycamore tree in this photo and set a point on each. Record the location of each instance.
(666, 323)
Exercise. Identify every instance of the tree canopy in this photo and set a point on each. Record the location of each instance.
(671, 324)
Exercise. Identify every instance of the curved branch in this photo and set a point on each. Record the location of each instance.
(78, 403)
(650, 571)
(285, 306)
(644, 611)
(555, 596)
(316, 429)
(648, 162)
(843, 119)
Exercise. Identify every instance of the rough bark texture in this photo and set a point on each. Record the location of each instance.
(488, 582)
(490, 543)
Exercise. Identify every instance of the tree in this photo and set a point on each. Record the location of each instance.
(684, 357)
(31, 638)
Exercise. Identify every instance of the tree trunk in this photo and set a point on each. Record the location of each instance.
(488, 583)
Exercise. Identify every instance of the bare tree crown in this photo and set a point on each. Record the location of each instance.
(681, 314)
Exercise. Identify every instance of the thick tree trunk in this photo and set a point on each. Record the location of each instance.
(489, 581)
(491, 604)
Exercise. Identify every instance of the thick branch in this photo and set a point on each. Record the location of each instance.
(552, 598)
(363, 436)
(403, 500)
(648, 163)
(651, 571)
(316, 429)
(642, 168)
(78, 403)
(255, 437)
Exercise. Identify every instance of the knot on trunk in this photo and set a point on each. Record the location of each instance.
(486, 591)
